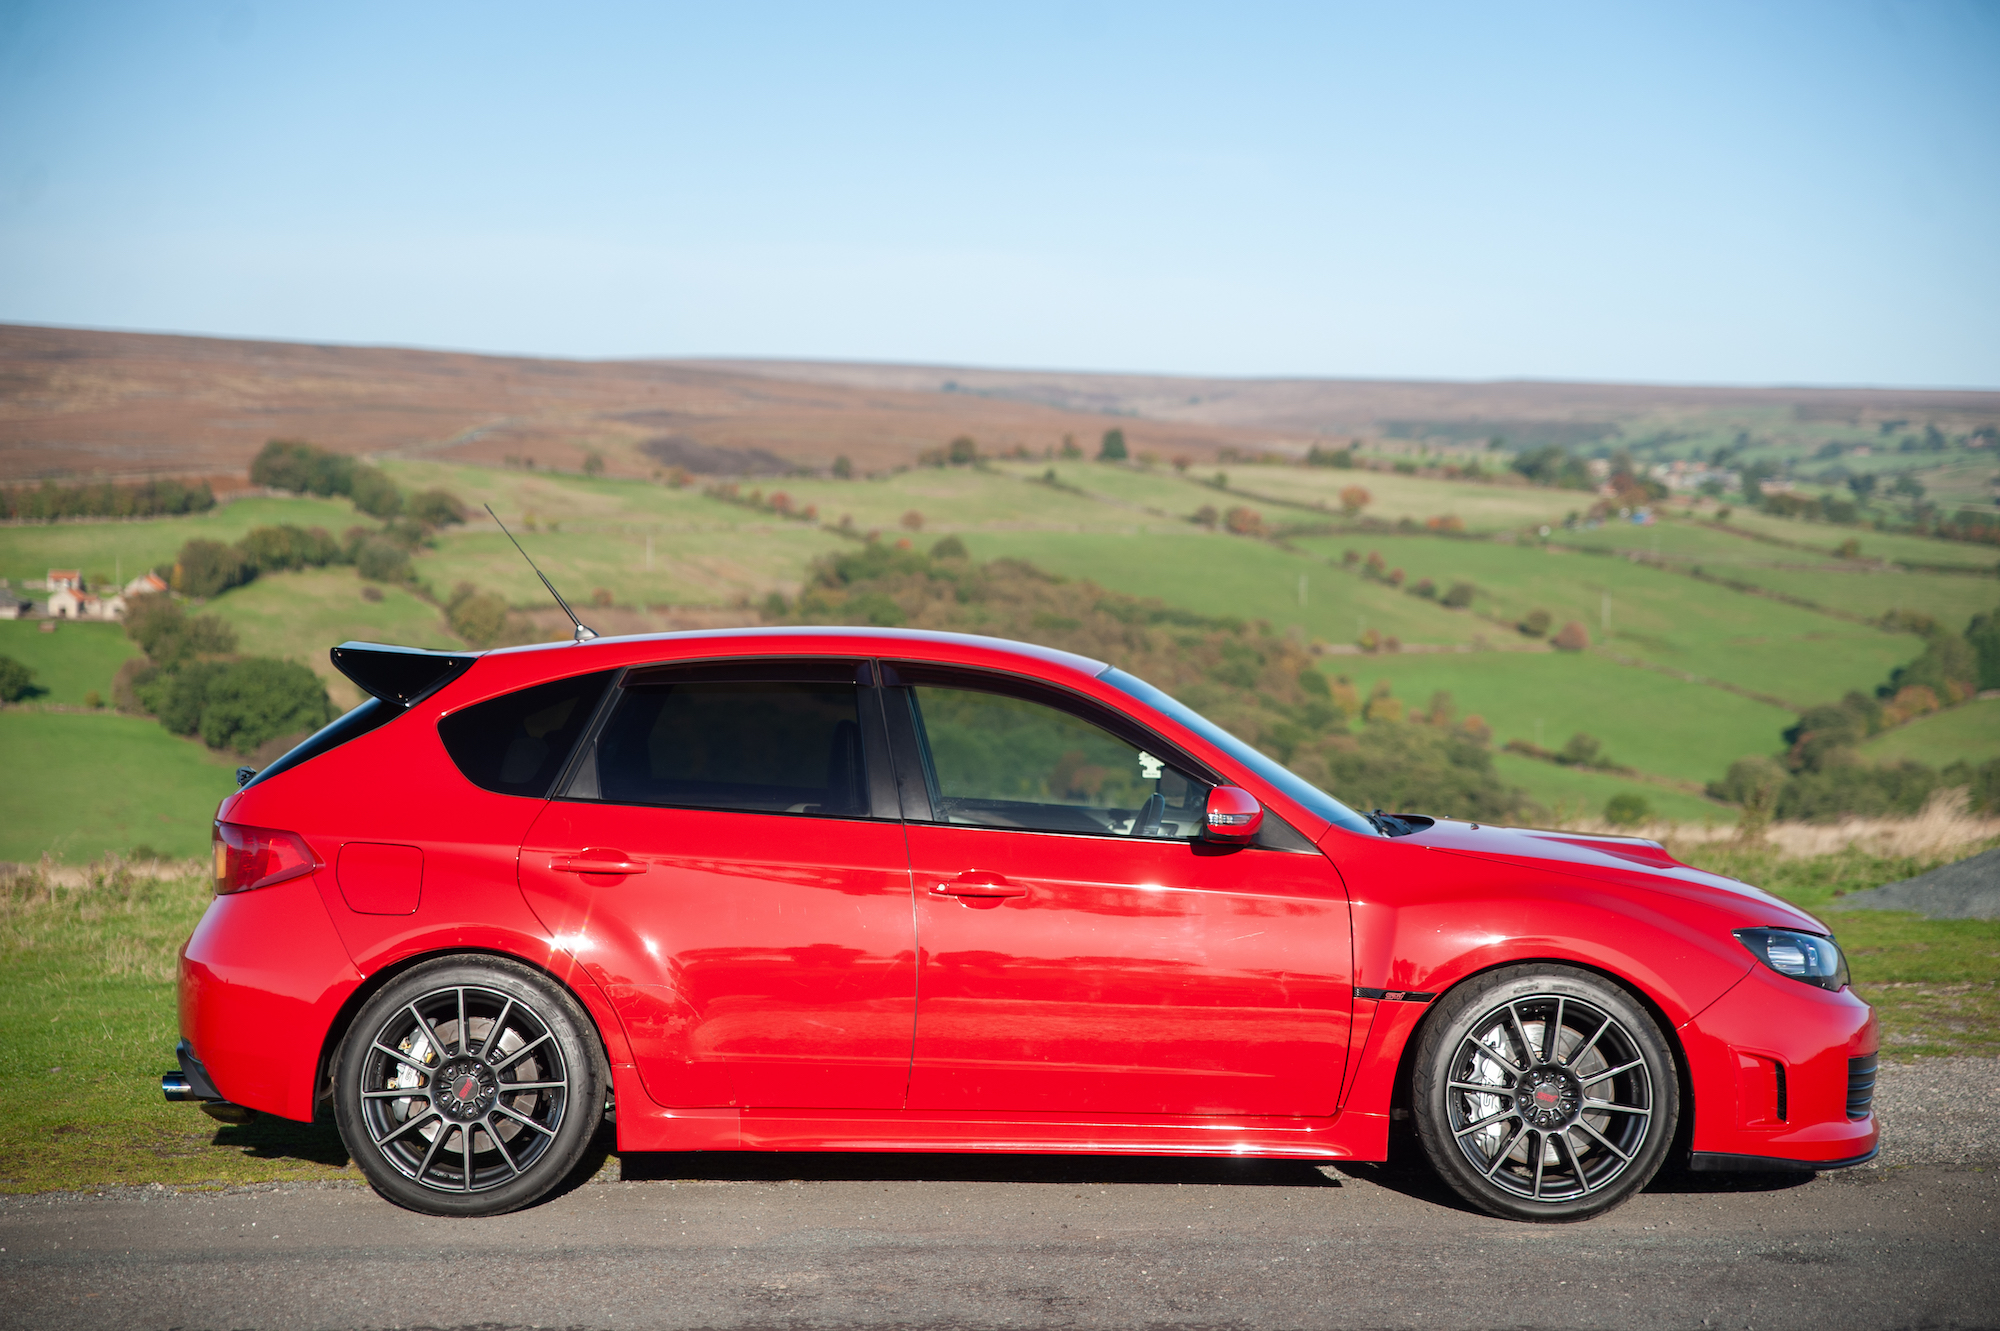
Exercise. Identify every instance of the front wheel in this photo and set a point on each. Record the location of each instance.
(1544, 1093)
(467, 1087)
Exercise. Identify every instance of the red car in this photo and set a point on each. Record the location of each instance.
(878, 890)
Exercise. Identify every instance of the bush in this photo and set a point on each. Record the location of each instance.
(950, 548)
(239, 704)
(1583, 751)
(912, 520)
(963, 451)
(374, 493)
(1571, 638)
(271, 549)
(16, 680)
(208, 568)
(48, 501)
(1355, 498)
(436, 508)
(168, 635)
(303, 468)
(478, 617)
(1459, 597)
(1244, 521)
(1112, 449)
(1627, 810)
(380, 559)
(1851, 788)
(1536, 624)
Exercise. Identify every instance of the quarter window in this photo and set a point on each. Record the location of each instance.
(517, 743)
(999, 761)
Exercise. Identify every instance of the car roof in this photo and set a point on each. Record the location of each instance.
(861, 640)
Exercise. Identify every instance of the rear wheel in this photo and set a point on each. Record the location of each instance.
(467, 1087)
(1544, 1093)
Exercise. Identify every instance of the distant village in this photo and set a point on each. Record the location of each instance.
(68, 597)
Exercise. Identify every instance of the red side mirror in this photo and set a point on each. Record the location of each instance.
(1234, 815)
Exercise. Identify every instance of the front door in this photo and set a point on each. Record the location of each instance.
(717, 862)
(1081, 950)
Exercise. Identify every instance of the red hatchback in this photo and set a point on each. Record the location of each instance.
(848, 889)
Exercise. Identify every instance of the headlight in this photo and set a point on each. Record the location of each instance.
(1806, 957)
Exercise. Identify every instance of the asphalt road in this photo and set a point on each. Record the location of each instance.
(936, 1241)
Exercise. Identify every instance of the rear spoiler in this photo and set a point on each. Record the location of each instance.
(400, 676)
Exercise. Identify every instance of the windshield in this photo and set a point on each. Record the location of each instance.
(1296, 787)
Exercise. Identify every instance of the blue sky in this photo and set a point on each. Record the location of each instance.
(1730, 193)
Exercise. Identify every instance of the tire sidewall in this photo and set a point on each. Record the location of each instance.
(1467, 1006)
(573, 1035)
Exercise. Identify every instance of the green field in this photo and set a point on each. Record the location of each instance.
(1546, 697)
(300, 616)
(1571, 795)
(1779, 650)
(79, 786)
(1969, 732)
(76, 659)
(114, 552)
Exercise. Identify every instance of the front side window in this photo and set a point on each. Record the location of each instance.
(1000, 761)
(759, 746)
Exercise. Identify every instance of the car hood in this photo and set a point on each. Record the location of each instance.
(1629, 862)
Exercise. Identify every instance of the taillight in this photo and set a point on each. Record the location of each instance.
(247, 857)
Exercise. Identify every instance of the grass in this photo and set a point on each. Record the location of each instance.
(109, 552)
(88, 977)
(1545, 697)
(1778, 650)
(1231, 576)
(78, 658)
(87, 981)
(1970, 731)
(1502, 505)
(1573, 795)
(300, 616)
(1935, 983)
(79, 786)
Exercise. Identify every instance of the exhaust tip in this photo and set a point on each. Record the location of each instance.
(175, 1086)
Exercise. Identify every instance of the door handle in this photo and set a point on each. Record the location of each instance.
(979, 883)
(596, 861)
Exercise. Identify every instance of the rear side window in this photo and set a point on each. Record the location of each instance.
(516, 744)
(758, 746)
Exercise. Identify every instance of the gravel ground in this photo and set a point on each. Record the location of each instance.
(1967, 890)
(1939, 1111)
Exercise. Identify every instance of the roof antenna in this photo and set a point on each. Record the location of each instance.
(583, 632)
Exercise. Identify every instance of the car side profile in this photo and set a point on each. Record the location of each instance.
(884, 890)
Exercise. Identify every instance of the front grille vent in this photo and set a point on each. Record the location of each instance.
(1860, 1086)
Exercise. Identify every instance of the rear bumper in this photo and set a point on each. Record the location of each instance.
(1773, 1064)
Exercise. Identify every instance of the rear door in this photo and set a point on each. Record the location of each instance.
(726, 859)
(1081, 949)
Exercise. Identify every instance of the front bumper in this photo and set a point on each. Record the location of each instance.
(1773, 1064)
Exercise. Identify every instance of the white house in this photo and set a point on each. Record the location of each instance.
(146, 584)
(69, 600)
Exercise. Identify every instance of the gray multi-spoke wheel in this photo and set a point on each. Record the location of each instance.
(1544, 1093)
(467, 1087)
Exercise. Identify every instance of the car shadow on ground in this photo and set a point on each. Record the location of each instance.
(952, 1167)
(267, 1138)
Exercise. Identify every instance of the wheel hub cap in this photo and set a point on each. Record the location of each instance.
(1550, 1097)
(466, 1089)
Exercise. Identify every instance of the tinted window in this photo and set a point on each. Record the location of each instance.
(766, 747)
(997, 761)
(517, 743)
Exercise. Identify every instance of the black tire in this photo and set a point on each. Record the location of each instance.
(455, 1035)
(1530, 1129)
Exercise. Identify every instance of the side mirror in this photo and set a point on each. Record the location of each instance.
(1234, 815)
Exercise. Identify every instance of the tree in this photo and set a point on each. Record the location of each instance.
(1244, 521)
(436, 508)
(303, 468)
(16, 680)
(1583, 751)
(374, 493)
(1983, 636)
(1459, 597)
(478, 617)
(168, 635)
(950, 548)
(1113, 447)
(1571, 638)
(1070, 452)
(1353, 499)
(257, 699)
(1863, 485)
(1536, 623)
(208, 568)
(912, 520)
(1627, 809)
(380, 559)
(962, 451)
(593, 463)
(843, 470)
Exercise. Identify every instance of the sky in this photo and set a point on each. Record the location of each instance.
(1675, 192)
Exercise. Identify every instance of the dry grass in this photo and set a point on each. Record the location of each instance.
(1943, 832)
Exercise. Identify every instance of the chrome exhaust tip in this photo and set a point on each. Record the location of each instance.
(175, 1086)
